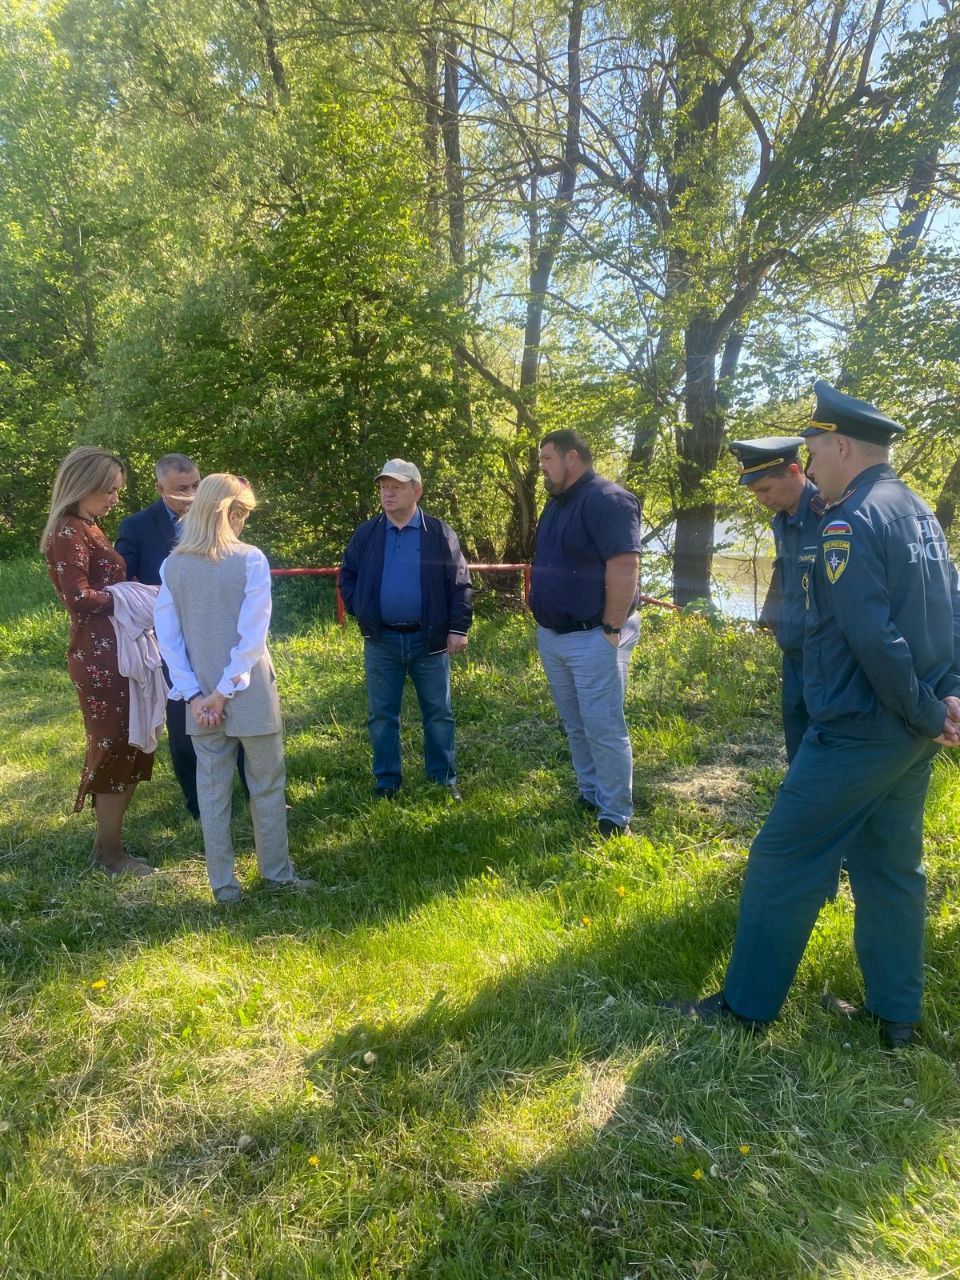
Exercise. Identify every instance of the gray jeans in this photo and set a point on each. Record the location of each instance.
(588, 680)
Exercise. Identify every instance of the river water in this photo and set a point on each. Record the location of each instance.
(740, 580)
(740, 584)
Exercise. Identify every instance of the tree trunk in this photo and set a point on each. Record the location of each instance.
(698, 445)
(522, 525)
(278, 75)
(449, 123)
(693, 552)
(428, 93)
(453, 161)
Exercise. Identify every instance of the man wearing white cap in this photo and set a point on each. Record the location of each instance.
(406, 582)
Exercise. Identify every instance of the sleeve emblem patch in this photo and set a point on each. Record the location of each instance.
(836, 557)
(836, 529)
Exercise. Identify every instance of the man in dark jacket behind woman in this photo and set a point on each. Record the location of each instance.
(406, 582)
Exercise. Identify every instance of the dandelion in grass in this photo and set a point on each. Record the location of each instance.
(586, 920)
(621, 891)
(677, 1140)
(98, 985)
(313, 1161)
(744, 1149)
(697, 1175)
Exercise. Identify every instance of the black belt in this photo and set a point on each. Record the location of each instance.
(575, 626)
(583, 626)
(405, 628)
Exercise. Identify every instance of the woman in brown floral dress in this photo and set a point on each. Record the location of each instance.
(82, 563)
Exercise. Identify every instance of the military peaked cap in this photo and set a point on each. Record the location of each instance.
(836, 411)
(759, 457)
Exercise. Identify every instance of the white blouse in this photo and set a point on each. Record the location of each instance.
(251, 627)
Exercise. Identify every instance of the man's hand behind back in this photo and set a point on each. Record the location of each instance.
(951, 726)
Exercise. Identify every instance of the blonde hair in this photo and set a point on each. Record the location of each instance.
(206, 526)
(86, 470)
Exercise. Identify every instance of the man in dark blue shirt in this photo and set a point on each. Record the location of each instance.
(771, 470)
(406, 582)
(882, 685)
(584, 595)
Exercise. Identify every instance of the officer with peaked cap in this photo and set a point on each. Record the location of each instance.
(771, 469)
(882, 684)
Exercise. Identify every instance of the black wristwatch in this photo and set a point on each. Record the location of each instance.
(611, 631)
(194, 696)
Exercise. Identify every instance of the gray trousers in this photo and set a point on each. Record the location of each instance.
(588, 680)
(266, 778)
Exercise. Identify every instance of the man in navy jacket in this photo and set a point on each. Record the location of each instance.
(145, 539)
(406, 582)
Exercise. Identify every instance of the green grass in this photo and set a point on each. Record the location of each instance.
(446, 1062)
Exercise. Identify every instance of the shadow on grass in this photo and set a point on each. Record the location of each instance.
(666, 1149)
(696, 1150)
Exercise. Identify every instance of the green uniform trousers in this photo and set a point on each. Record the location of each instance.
(843, 799)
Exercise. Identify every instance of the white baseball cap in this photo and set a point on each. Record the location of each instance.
(397, 469)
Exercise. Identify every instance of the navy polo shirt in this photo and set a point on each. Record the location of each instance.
(579, 531)
(400, 599)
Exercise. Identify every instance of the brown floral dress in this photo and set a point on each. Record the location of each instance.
(82, 562)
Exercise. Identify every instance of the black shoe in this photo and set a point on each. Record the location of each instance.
(453, 791)
(710, 1009)
(387, 793)
(588, 806)
(607, 829)
(897, 1035)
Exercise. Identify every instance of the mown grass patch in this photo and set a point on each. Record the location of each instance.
(447, 1062)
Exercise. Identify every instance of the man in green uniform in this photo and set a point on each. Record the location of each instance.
(771, 469)
(882, 685)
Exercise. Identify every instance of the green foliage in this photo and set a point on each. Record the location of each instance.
(228, 229)
(907, 357)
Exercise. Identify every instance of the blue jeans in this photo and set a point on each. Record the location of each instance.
(387, 662)
(588, 680)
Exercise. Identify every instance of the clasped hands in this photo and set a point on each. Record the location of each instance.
(951, 726)
(209, 711)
